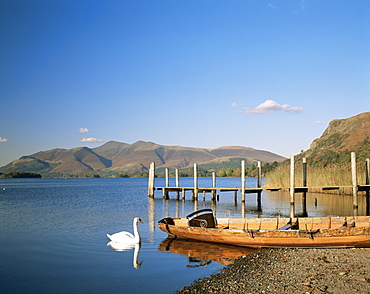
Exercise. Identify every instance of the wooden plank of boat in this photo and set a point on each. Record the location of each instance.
(324, 232)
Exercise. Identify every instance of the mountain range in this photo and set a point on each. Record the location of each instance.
(334, 146)
(116, 157)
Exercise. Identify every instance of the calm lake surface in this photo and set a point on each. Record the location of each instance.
(53, 234)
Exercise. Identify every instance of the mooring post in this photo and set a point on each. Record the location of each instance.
(196, 205)
(177, 183)
(151, 180)
(195, 193)
(292, 187)
(259, 174)
(259, 184)
(243, 180)
(304, 172)
(367, 169)
(213, 186)
(304, 184)
(164, 189)
(367, 182)
(167, 177)
(354, 182)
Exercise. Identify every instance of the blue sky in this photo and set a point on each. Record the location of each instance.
(201, 73)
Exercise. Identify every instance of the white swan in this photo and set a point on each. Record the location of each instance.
(126, 237)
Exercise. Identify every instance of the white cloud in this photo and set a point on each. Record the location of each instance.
(3, 139)
(92, 140)
(295, 109)
(267, 107)
(318, 122)
(84, 130)
(271, 106)
(235, 104)
(271, 6)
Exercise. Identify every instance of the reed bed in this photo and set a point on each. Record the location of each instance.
(330, 175)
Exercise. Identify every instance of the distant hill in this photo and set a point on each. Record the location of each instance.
(340, 138)
(115, 157)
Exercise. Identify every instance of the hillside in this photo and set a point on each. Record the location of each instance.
(115, 157)
(329, 157)
(341, 137)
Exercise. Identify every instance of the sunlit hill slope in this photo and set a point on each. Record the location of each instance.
(115, 157)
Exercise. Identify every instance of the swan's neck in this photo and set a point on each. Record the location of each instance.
(136, 231)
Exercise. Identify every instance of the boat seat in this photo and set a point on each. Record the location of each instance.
(203, 218)
(290, 226)
(347, 224)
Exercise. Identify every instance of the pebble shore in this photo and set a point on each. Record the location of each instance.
(292, 271)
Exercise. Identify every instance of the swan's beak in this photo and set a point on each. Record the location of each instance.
(140, 221)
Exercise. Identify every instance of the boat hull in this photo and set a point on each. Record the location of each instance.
(321, 238)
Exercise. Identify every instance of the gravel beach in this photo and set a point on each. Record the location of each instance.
(292, 271)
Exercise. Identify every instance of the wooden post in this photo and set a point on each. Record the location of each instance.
(177, 183)
(177, 177)
(151, 180)
(196, 205)
(165, 191)
(195, 193)
(167, 177)
(259, 175)
(243, 180)
(367, 182)
(292, 187)
(243, 210)
(213, 186)
(304, 184)
(259, 184)
(304, 173)
(354, 182)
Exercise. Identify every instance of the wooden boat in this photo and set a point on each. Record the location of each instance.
(319, 232)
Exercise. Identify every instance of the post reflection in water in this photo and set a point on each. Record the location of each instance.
(151, 215)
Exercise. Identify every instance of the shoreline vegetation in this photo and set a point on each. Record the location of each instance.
(20, 175)
(318, 176)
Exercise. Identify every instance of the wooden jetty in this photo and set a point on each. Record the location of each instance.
(195, 190)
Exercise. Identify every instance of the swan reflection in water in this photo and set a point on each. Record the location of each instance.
(127, 247)
(125, 241)
(203, 253)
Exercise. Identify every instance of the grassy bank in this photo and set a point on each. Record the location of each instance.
(330, 175)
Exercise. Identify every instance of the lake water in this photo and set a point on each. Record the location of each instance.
(53, 234)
